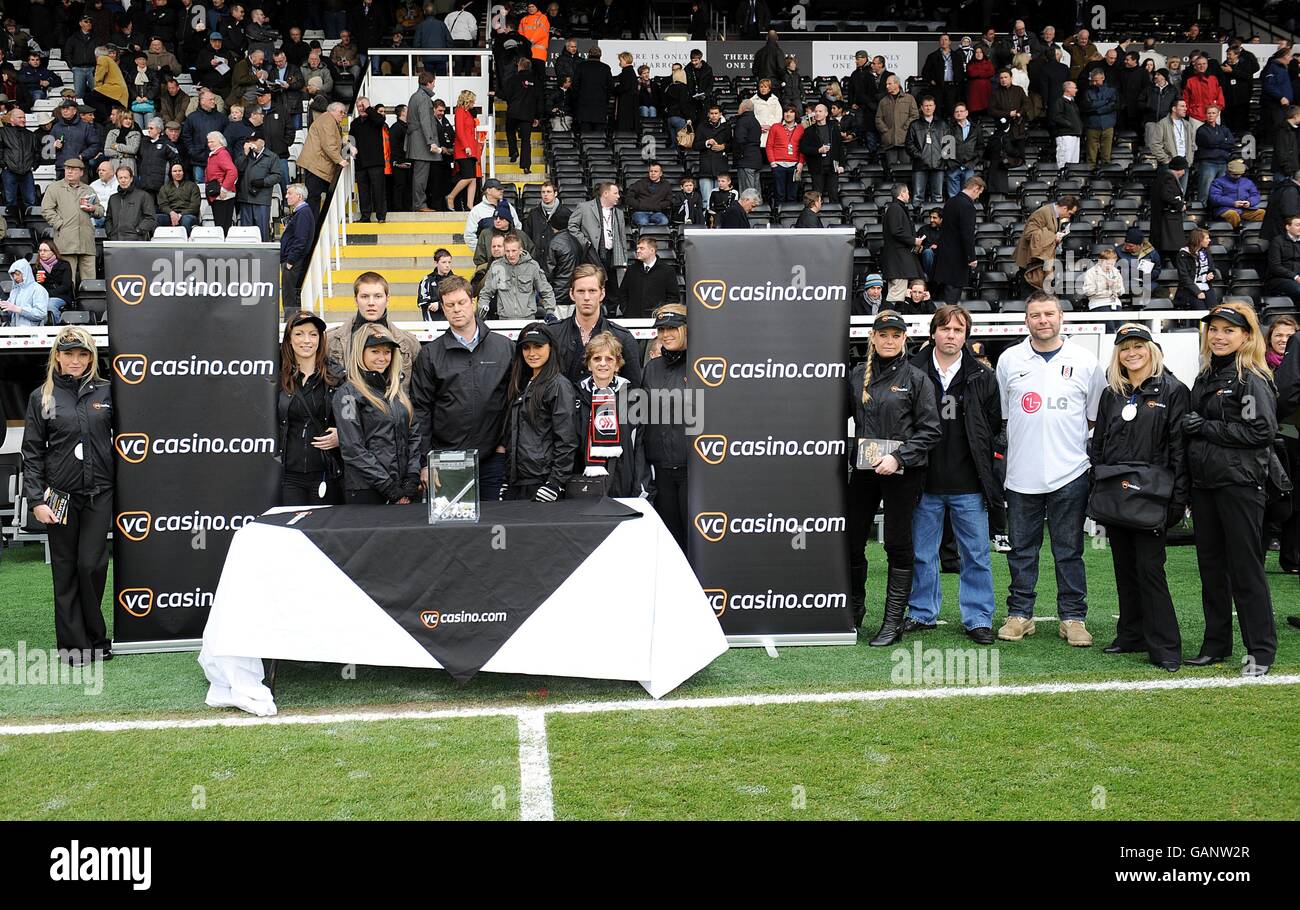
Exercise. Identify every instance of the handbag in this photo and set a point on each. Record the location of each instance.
(686, 137)
(1134, 496)
(142, 107)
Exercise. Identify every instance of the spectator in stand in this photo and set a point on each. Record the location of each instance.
(367, 131)
(346, 56)
(205, 120)
(687, 205)
(247, 74)
(433, 34)
(1201, 89)
(1141, 262)
(427, 296)
(215, 65)
(537, 220)
(55, 275)
(422, 146)
(926, 139)
(36, 79)
(131, 210)
(894, 115)
(1103, 284)
(649, 98)
(945, 70)
(767, 108)
(259, 170)
(721, 199)
(1283, 202)
(72, 137)
(965, 150)
(399, 182)
(315, 68)
(322, 156)
(737, 215)
(956, 258)
(979, 81)
(929, 238)
(1276, 91)
(79, 54)
(1237, 79)
(785, 158)
(122, 143)
(1044, 231)
(712, 138)
(172, 130)
(1283, 275)
(563, 255)
(900, 254)
(178, 201)
(1008, 101)
(172, 101)
(104, 185)
(1157, 100)
(20, 155)
(650, 198)
(1234, 197)
(822, 148)
(157, 155)
(222, 181)
(1214, 145)
(28, 302)
(1286, 146)
(467, 153)
(747, 146)
(1174, 137)
(592, 86)
(162, 61)
(143, 90)
(1100, 103)
(1167, 207)
(1081, 49)
(649, 283)
(110, 86)
(812, 206)
(491, 206)
(1066, 124)
(599, 227)
(516, 287)
(1128, 83)
(1196, 274)
(524, 98)
(295, 245)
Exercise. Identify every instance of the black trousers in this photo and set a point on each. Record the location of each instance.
(670, 501)
(519, 139)
(297, 489)
(399, 190)
(79, 564)
(365, 498)
(1289, 534)
(1146, 611)
(291, 286)
(316, 190)
(1230, 556)
(827, 183)
(371, 192)
(867, 490)
(439, 185)
(223, 213)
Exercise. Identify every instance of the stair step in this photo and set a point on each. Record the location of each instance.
(432, 228)
(346, 303)
(424, 217)
(399, 276)
(421, 251)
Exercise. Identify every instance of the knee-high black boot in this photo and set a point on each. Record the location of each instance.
(857, 595)
(896, 595)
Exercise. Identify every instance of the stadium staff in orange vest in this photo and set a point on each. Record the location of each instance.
(537, 29)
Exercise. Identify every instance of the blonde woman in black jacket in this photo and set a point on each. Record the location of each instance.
(892, 401)
(68, 452)
(378, 434)
(1230, 431)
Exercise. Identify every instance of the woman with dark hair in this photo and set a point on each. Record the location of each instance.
(378, 434)
(55, 275)
(896, 421)
(1140, 421)
(540, 437)
(1277, 336)
(1196, 274)
(606, 447)
(1230, 430)
(979, 82)
(68, 481)
(308, 439)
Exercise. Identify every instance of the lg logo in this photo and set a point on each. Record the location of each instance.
(129, 288)
(711, 370)
(1032, 402)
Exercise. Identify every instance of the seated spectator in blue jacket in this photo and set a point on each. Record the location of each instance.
(28, 301)
(1215, 144)
(1140, 262)
(1234, 198)
(38, 81)
(72, 137)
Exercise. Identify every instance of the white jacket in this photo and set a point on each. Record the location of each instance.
(1103, 288)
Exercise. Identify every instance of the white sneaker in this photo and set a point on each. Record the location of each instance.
(1002, 543)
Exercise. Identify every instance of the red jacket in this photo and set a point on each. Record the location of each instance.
(1200, 91)
(466, 126)
(220, 167)
(780, 141)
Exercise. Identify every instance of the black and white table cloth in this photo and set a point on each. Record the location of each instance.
(588, 588)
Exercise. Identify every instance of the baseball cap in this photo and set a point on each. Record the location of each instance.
(303, 316)
(71, 342)
(889, 321)
(669, 320)
(534, 333)
(492, 183)
(1228, 314)
(375, 341)
(1133, 333)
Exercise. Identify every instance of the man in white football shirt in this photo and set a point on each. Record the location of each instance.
(1050, 388)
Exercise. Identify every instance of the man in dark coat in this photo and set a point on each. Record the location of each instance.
(649, 283)
(737, 214)
(367, 131)
(957, 256)
(1167, 207)
(592, 84)
(1283, 202)
(899, 259)
(769, 60)
(821, 147)
(295, 245)
(523, 95)
(699, 84)
(809, 217)
(945, 70)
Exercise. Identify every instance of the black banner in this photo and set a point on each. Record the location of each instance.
(736, 58)
(768, 352)
(195, 360)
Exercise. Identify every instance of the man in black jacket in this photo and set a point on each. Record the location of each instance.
(367, 131)
(650, 198)
(525, 98)
(563, 254)
(956, 256)
(712, 138)
(945, 70)
(746, 147)
(458, 387)
(130, 210)
(1066, 125)
(699, 84)
(812, 204)
(1283, 202)
(962, 482)
(537, 220)
(587, 290)
(900, 255)
(295, 245)
(1283, 276)
(157, 155)
(648, 284)
(20, 154)
(79, 55)
(737, 215)
(821, 148)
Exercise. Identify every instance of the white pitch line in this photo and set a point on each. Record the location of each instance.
(536, 803)
(605, 707)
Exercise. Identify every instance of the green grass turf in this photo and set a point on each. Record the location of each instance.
(153, 684)
(448, 769)
(1128, 755)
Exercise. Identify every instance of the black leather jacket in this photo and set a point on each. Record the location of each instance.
(902, 407)
(381, 450)
(1154, 435)
(542, 451)
(1232, 448)
(81, 414)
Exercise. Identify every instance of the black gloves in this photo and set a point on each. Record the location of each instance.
(505, 488)
(547, 492)
(1192, 423)
(411, 488)
(1177, 512)
(550, 318)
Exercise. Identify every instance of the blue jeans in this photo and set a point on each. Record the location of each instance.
(19, 185)
(707, 186)
(641, 219)
(198, 175)
(957, 178)
(676, 123)
(784, 187)
(165, 220)
(1206, 171)
(56, 307)
(647, 111)
(1063, 510)
(491, 475)
(927, 262)
(83, 80)
(921, 179)
(970, 526)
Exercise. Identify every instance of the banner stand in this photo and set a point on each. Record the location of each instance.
(157, 647)
(791, 641)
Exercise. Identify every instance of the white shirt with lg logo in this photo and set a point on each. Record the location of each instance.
(1047, 404)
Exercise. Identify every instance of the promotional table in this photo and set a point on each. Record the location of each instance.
(588, 588)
